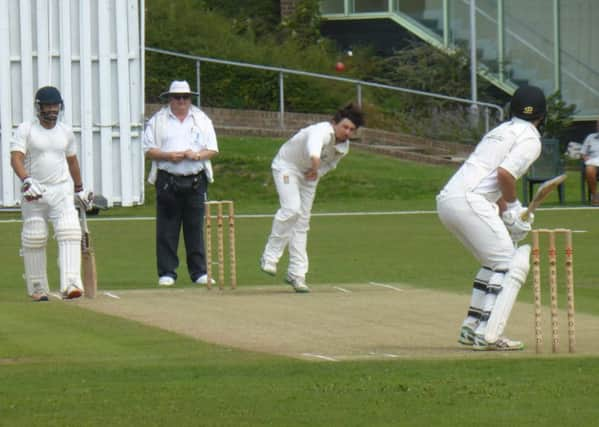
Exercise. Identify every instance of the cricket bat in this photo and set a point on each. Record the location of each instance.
(542, 192)
(89, 274)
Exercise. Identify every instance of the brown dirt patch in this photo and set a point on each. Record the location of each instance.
(342, 322)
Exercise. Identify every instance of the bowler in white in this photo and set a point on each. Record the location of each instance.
(297, 168)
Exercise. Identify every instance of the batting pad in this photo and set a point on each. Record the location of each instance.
(33, 240)
(511, 285)
(68, 235)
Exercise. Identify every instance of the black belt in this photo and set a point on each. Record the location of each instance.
(202, 172)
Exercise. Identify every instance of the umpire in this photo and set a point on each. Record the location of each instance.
(180, 140)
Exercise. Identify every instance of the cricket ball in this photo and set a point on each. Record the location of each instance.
(339, 67)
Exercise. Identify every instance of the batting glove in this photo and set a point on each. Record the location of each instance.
(517, 227)
(32, 189)
(85, 198)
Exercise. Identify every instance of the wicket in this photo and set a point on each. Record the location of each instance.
(220, 204)
(569, 271)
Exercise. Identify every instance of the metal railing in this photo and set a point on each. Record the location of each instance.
(358, 83)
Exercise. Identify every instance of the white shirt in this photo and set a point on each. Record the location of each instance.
(513, 146)
(45, 150)
(194, 133)
(590, 147)
(317, 140)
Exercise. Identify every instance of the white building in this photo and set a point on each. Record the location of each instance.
(93, 52)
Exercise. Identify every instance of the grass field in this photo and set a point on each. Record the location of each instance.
(64, 365)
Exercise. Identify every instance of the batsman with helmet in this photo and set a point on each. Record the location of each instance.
(43, 156)
(479, 206)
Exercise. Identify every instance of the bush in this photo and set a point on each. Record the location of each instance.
(559, 118)
(226, 30)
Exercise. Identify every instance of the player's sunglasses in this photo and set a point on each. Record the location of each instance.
(180, 97)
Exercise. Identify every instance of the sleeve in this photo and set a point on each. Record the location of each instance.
(148, 136)
(209, 141)
(316, 139)
(71, 149)
(586, 145)
(522, 155)
(18, 142)
(329, 166)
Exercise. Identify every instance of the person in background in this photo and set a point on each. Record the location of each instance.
(590, 156)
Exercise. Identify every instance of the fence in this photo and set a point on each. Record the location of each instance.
(476, 106)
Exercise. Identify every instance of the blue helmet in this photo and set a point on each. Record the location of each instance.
(48, 95)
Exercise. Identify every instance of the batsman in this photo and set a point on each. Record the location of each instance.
(479, 206)
(43, 156)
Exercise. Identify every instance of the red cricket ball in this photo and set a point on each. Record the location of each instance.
(339, 66)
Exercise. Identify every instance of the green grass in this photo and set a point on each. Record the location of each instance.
(62, 365)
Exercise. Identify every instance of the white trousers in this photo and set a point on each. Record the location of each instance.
(476, 223)
(57, 206)
(292, 221)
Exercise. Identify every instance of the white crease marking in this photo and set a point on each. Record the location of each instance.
(320, 356)
(111, 295)
(382, 285)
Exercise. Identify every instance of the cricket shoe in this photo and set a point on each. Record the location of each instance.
(166, 281)
(72, 292)
(203, 280)
(502, 344)
(39, 292)
(39, 296)
(298, 284)
(466, 336)
(268, 267)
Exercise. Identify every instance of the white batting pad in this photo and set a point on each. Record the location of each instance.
(33, 240)
(35, 270)
(511, 285)
(35, 233)
(68, 235)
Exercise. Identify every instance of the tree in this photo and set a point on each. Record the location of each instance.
(559, 117)
(304, 24)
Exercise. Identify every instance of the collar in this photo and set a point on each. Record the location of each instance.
(171, 114)
(522, 121)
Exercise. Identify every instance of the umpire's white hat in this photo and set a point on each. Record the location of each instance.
(178, 87)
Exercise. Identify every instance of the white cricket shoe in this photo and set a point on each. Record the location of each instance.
(502, 344)
(39, 293)
(298, 284)
(72, 292)
(166, 281)
(203, 280)
(268, 267)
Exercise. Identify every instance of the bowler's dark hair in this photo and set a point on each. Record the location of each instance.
(351, 112)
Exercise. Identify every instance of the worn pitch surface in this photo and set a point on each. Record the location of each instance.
(333, 322)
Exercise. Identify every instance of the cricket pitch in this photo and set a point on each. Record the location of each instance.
(333, 322)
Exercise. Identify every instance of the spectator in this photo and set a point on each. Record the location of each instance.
(590, 156)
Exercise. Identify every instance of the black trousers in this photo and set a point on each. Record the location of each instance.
(180, 203)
